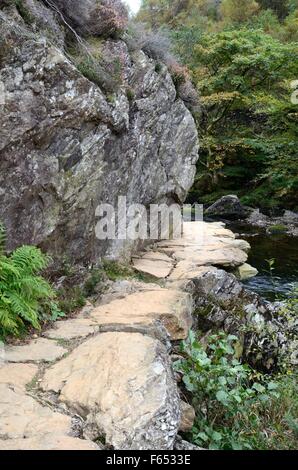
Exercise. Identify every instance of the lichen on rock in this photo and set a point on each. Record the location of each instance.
(66, 145)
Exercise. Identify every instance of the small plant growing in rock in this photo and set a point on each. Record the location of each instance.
(24, 11)
(158, 67)
(130, 94)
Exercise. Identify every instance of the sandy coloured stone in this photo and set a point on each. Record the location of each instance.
(22, 417)
(228, 257)
(122, 383)
(156, 255)
(188, 270)
(172, 307)
(246, 271)
(188, 416)
(48, 442)
(70, 329)
(156, 268)
(38, 350)
(237, 243)
(17, 374)
(204, 244)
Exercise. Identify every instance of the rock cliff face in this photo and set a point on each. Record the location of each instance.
(67, 146)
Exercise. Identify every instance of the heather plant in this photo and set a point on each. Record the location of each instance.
(93, 18)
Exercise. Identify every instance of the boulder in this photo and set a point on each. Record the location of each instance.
(188, 416)
(245, 272)
(286, 223)
(227, 207)
(67, 145)
(123, 385)
(266, 333)
(257, 219)
(182, 445)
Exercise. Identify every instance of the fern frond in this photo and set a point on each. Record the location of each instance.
(8, 322)
(36, 286)
(8, 269)
(2, 238)
(30, 259)
(25, 308)
(23, 293)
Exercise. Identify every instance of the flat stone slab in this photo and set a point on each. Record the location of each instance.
(228, 257)
(172, 307)
(17, 374)
(38, 350)
(156, 256)
(206, 244)
(187, 270)
(22, 417)
(71, 329)
(48, 442)
(156, 268)
(123, 384)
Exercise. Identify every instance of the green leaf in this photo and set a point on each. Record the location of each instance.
(258, 387)
(222, 396)
(203, 436)
(216, 436)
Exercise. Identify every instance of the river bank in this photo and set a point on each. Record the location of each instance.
(106, 375)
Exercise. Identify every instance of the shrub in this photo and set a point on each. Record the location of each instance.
(189, 95)
(178, 72)
(236, 407)
(130, 94)
(93, 18)
(98, 63)
(116, 271)
(96, 277)
(22, 290)
(278, 228)
(158, 67)
(94, 72)
(24, 11)
(71, 299)
(156, 44)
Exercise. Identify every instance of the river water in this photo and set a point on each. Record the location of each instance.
(283, 249)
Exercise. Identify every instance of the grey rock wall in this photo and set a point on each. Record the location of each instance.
(66, 146)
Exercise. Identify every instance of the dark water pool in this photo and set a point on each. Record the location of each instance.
(283, 249)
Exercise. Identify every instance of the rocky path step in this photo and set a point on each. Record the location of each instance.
(107, 375)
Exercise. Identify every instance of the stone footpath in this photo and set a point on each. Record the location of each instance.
(105, 377)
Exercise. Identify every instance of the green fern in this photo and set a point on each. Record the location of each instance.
(2, 238)
(22, 290)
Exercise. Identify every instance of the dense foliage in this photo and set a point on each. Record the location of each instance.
(25, 296)
(243, 60)
(236, 407)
